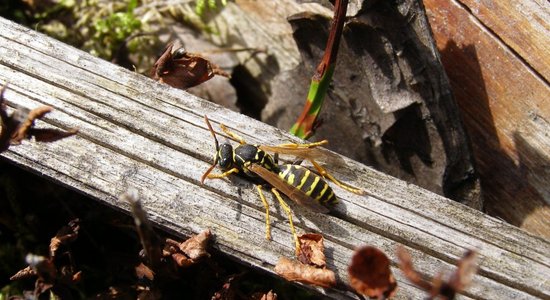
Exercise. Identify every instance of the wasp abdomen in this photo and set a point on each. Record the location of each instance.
(308, 182)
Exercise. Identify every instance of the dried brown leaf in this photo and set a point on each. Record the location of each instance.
(164, 63)
(439, 288)
(49, 135)
(41, 286)
(406, 266)
(466, 269)
(187, 253)
(43, 266)
(293, 270)
(22, 130)
(24, 273)
(182, 260)
(65, 235)
(195, 247)
(370, 273)
(56, 273)
(181, 69)
(18, 126)
(76, 277)
(143, 271)
(312, 250)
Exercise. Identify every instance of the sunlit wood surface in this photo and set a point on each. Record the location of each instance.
(138, 134)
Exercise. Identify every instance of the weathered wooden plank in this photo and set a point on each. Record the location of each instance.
(522, 25)
(504, 105)
(135, 133)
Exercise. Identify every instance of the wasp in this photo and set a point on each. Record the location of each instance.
(303, 186)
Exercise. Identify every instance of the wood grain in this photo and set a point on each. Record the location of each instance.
(496, 57)
(524, 26)
(138, 134)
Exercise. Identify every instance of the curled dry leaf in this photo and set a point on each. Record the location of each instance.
(182, 260)
(181, 69)
(65, 235)
(49, 135)
(190, 251)
(195, 247)
(440, 288)
(55, 273)
(22, 130)
(293, 270)
(312, 250)
(143, 271)
(27, 272)
(17, 126)
(370, 273)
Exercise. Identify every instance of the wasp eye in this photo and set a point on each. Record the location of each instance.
(179, 53)
(225, 154)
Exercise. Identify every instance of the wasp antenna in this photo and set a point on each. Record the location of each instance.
(208, 171)
(212, 132)
(217, 149)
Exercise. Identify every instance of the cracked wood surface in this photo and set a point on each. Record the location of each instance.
(135, 133)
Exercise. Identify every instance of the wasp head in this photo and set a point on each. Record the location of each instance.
(225, 156)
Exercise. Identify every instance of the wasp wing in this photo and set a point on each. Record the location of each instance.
(310, 153)
(290, 191)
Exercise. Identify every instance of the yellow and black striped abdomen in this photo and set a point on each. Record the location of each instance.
(308, 182)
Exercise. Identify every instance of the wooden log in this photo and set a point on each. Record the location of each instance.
(138, 134)
(496, 56)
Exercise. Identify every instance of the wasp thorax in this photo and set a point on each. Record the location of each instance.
(225, 154)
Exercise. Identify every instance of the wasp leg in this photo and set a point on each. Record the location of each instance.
(326, 174)
(266, 205)
(286, 208)
(298, 146)
(232, 134)
(222, 175)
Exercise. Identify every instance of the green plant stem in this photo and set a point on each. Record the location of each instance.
(306, 123)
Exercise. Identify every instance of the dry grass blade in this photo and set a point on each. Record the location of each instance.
(147, 236)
